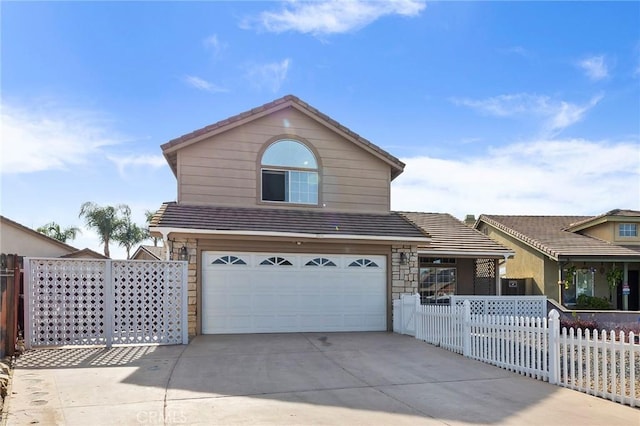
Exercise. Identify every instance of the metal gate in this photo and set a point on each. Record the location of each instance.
(104, 302)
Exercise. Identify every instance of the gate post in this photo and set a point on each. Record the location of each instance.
(109, 305)
(28, 304)
(554, 347)
(185, 305)
(466, 329)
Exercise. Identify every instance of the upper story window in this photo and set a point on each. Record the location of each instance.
(289, 173)
(627, 230)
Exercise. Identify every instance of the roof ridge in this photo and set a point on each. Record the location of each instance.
(510, 231)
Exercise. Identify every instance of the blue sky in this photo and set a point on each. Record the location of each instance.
(495, 107)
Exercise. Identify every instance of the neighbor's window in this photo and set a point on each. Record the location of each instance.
(438, 279)
(584, 282)
(628, 230)
(289, 173)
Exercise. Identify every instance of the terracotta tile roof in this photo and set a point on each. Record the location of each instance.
(270, 220)
(451, 236)
(288, 100)
(548, 235)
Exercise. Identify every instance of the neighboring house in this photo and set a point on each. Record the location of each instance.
(284, 217)
(458, 260)
(567, 256)
(18, 239)
(85, 253)
(148, 253)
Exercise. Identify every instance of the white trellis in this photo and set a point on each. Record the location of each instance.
(70, 302)
(527, 306)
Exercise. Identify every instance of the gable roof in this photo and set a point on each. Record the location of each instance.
(617, 215)
(214, 220)
(4, 220)
(153, 251)
(85, 253)
(548, 235)
(451, 237)
(289, 101)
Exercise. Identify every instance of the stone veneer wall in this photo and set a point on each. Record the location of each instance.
(404, 278)
(192, 300)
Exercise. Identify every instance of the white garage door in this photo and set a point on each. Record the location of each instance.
(283, 292)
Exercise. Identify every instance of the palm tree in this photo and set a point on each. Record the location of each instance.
(149, 216)
(130, 234)
(106, 221)
(53, 230)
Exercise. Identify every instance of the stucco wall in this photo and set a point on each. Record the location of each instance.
(14, 240)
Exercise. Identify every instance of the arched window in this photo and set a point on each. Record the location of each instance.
(289, 173)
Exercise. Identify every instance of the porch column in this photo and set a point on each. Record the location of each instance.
(498, 281)
(625, 284)
(560, 284)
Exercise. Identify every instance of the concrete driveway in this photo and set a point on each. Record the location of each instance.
(290, 379)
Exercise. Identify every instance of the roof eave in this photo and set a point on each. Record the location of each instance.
(166, 231)
(468, 253)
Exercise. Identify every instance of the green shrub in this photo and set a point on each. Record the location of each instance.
(589, 302)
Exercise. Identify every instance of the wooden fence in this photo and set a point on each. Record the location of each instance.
(10, 278)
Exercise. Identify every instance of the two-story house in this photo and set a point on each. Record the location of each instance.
(284, 216)
(570, 256)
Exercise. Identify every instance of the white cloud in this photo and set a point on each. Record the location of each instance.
(556, 115)
(270, 76)
(332, 16)
(567, 113)
(594, 67)
(123, 162)
(212, 42)
(50, 137)
(202, 84)
(573, 176)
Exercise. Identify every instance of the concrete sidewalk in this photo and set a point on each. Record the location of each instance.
(291, 379)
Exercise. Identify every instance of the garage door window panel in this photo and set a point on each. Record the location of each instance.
(276, 261)
(320, 261)
(363, 263)
(289, 173)
(228, 260)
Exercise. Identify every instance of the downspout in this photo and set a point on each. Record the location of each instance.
(165, 242)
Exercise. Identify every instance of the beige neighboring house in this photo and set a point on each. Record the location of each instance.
(23, 241)
(148, 253)
(284, 217)
(577, 250)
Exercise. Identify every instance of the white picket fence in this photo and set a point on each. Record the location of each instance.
(601, 364)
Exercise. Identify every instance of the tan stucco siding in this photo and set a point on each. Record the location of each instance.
(602, 231)
(609, 231)
(17, 241)
(526, 263)
(225, 169)
(550, 287)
